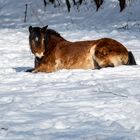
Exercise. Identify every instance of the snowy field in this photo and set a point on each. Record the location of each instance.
(68, 104)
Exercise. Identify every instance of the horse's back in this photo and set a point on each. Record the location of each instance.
(92, 54)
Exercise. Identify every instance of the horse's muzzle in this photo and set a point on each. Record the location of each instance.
(39, 55)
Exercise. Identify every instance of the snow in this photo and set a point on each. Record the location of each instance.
(68, 104)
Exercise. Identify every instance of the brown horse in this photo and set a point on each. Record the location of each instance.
(53, 52)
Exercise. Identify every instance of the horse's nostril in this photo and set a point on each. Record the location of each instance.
(38, 59)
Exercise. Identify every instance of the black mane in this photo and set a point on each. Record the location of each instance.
(52, 32)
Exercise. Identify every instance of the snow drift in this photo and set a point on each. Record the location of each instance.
(68, 104)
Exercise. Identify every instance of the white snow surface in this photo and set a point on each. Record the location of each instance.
(68, 104)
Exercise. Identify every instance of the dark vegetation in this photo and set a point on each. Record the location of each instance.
(74, 3)
(70, 3)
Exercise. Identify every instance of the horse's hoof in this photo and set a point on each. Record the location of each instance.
(29, 70)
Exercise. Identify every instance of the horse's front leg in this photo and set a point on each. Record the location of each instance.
(35, 70)
(39, 68)
(44, 68)
(37, 62)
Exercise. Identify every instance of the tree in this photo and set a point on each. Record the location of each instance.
(122, 4)
(45, 3)
(68, 5)
(98, 3)
(52, 1)
(80, 2)
(74, 2)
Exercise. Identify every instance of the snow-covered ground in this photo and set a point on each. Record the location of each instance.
(68, 104)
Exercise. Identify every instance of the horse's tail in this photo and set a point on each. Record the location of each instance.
(131, 60)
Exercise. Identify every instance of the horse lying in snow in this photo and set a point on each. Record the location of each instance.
(53, 52)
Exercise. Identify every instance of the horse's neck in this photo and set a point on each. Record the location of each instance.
(52, 43)
(54, 40)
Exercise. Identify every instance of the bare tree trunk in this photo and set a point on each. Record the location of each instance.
(122, 4)
(52, 1)
(74, 2)
(80, 2)
(45, 3)
(68, 5)
(98, 3)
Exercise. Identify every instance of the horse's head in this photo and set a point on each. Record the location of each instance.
(37, 40)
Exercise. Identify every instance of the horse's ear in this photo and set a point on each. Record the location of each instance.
(44, 29)
(30, 28)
